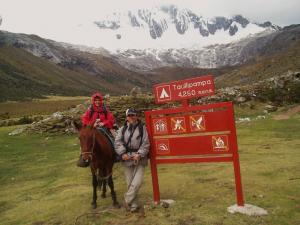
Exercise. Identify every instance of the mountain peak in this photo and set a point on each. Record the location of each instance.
(169, 26)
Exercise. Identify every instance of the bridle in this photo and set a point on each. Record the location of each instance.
(91, 152)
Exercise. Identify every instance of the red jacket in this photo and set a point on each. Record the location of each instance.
(94, 112)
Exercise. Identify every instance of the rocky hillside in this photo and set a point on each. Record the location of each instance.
(275, 91)
(31, 67)
(272, 61)
(250, 48)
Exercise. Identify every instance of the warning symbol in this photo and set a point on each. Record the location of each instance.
(163, 93)
(162, 146)
(220, 143)
(160, 126)
(178, 124)
(197, 123)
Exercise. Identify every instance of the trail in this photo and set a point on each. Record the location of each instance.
(287, 114)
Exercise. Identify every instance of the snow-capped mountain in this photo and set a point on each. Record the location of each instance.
(168, 27)
(212, 56)
(146, 39)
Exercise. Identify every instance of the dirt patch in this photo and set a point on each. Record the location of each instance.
(287, 114)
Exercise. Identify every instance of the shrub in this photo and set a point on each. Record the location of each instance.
(25, 120)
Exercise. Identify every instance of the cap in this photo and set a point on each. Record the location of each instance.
(131, 111)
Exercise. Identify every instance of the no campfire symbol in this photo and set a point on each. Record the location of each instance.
(197, 123)
(220, 143)
(178, 124)
(160, 126)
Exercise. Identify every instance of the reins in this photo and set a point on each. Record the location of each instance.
(91, 153)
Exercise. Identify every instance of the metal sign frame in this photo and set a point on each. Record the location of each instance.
(220, 123)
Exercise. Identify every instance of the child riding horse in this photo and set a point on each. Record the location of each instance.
(98, 151)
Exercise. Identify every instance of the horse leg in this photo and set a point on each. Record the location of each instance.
(103, 195)
(95, 184)
(113, 193)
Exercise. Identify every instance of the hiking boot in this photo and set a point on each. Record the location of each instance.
(82, 163)
(134, 209)
(126, 206)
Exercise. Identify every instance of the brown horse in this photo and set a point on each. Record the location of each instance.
(98, 151)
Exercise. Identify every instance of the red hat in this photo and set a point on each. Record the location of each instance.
(97, 95)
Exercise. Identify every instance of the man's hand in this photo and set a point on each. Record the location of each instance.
(136, 157)
(125, 157)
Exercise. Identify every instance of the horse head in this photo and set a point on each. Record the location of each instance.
(87, 140)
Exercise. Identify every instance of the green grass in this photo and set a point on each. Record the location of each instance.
(40, 183)
(45, 106)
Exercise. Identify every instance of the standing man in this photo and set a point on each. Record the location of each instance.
(132, 144)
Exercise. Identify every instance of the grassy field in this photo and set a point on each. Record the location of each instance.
(40, 183)
(45, 106)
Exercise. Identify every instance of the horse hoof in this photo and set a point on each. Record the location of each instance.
(117, 205)
(94, 205)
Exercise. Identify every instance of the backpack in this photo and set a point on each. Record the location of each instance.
(140, 126)
(104, 110)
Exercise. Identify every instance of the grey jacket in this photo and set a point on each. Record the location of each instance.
(133, 144)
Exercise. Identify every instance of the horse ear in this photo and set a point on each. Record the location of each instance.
(77, 125)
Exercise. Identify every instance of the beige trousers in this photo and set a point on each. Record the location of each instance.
(134, 176)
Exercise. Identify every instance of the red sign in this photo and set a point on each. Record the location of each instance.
(162, 146)
(178, 124)
(188, 134)
(220, 143)
(160, 126)
(197, 123)
(194, 133)
(184, 89)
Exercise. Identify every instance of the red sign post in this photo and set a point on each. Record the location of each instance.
(190, 134)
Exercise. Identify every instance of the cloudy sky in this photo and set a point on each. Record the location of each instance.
(16, 12)
(44, 17)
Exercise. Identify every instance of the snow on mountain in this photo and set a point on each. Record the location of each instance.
(168, 27)
(145, 39)
(148, 38)
(212, 56)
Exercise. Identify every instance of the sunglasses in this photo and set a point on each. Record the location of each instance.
(131, 115)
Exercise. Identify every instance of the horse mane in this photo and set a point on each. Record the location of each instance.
(88, 126)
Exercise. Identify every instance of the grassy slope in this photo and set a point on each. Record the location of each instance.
(40, 183)
(262, 68)
(25, 75)
(40, 106)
